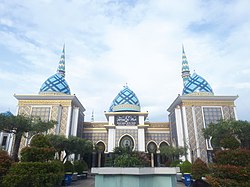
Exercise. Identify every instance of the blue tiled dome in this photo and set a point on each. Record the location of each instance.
(55, 83)
(195, 84)
(7, 113)
(125, 101)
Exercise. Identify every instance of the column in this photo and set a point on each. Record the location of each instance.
(68, 122)
(141, 139)
(75, 121)
(111, 138)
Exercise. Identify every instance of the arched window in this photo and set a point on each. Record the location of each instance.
(127, 141)
(100, 147)
(152, 147)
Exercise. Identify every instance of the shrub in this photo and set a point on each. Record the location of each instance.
(80, 166)
(238, 157)
(5, 162)
(230, 142)
(231, 168)
(218, 182)
(127, 160)
(40, 140)
(175, 163)
(199, 169)
(126, 157)
(36, 154)
(237, 173)
(38, 174)
(185, 167)
(68, 167)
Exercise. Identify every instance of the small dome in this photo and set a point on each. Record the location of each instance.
(7, 113)
(197, 84)
(55, 84)
(125, 101)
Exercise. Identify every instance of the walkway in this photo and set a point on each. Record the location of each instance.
(90, 182)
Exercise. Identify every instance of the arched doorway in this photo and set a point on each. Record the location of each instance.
(164, 160)
(152, 148)
(100, 148)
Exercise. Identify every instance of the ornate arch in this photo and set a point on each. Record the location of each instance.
(127, 140)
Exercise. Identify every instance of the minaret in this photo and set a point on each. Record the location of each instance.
(185, 74)
(92, 116)
(61, 67)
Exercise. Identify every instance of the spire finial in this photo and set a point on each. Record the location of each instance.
(92, 116)
(185, 67)
(61, 66)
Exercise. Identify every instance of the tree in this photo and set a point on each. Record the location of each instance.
(71, 145)
(220, 133)
(19, 125)
(173, 153)
(58, 142)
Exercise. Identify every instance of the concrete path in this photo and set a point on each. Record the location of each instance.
(90, 182)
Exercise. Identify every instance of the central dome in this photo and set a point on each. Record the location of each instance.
(125, 101)
(197, 84)
(55, 84)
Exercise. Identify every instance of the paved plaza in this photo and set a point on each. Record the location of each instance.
(90, 182)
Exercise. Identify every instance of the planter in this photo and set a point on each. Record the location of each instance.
(67, 179)
(135, 177)
(187, 179)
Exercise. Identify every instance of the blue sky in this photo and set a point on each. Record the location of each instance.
(111, 43)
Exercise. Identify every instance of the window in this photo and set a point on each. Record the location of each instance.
(4, 141)
(212, 115)
(42, 112)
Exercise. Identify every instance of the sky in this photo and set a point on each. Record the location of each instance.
(109, 43)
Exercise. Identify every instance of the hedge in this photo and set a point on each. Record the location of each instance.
(37, 154)
(185, 167)
(34, 174)
(80, 166)
(5, 162)
(237, 157)
(199, 169)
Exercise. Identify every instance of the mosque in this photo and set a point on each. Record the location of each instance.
(126, 124)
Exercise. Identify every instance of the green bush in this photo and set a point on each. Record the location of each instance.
(185, 167)
(68, 167)
(230, 142)
(231, 168)
(238, 157)
(126, 157)
(41, 141)
(34, 174)
(80, 166)
(5, 162)
(228, 175)
(37, 154)
(127, 160)
(199, 169)
(175, 163)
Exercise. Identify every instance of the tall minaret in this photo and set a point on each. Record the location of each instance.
(61, 67)
(185, 74)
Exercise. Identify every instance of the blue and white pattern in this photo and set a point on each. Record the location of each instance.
(185, 67)
(7, 113)
(196, 83)
(55, 83)
(61, 66)
(126, 100)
